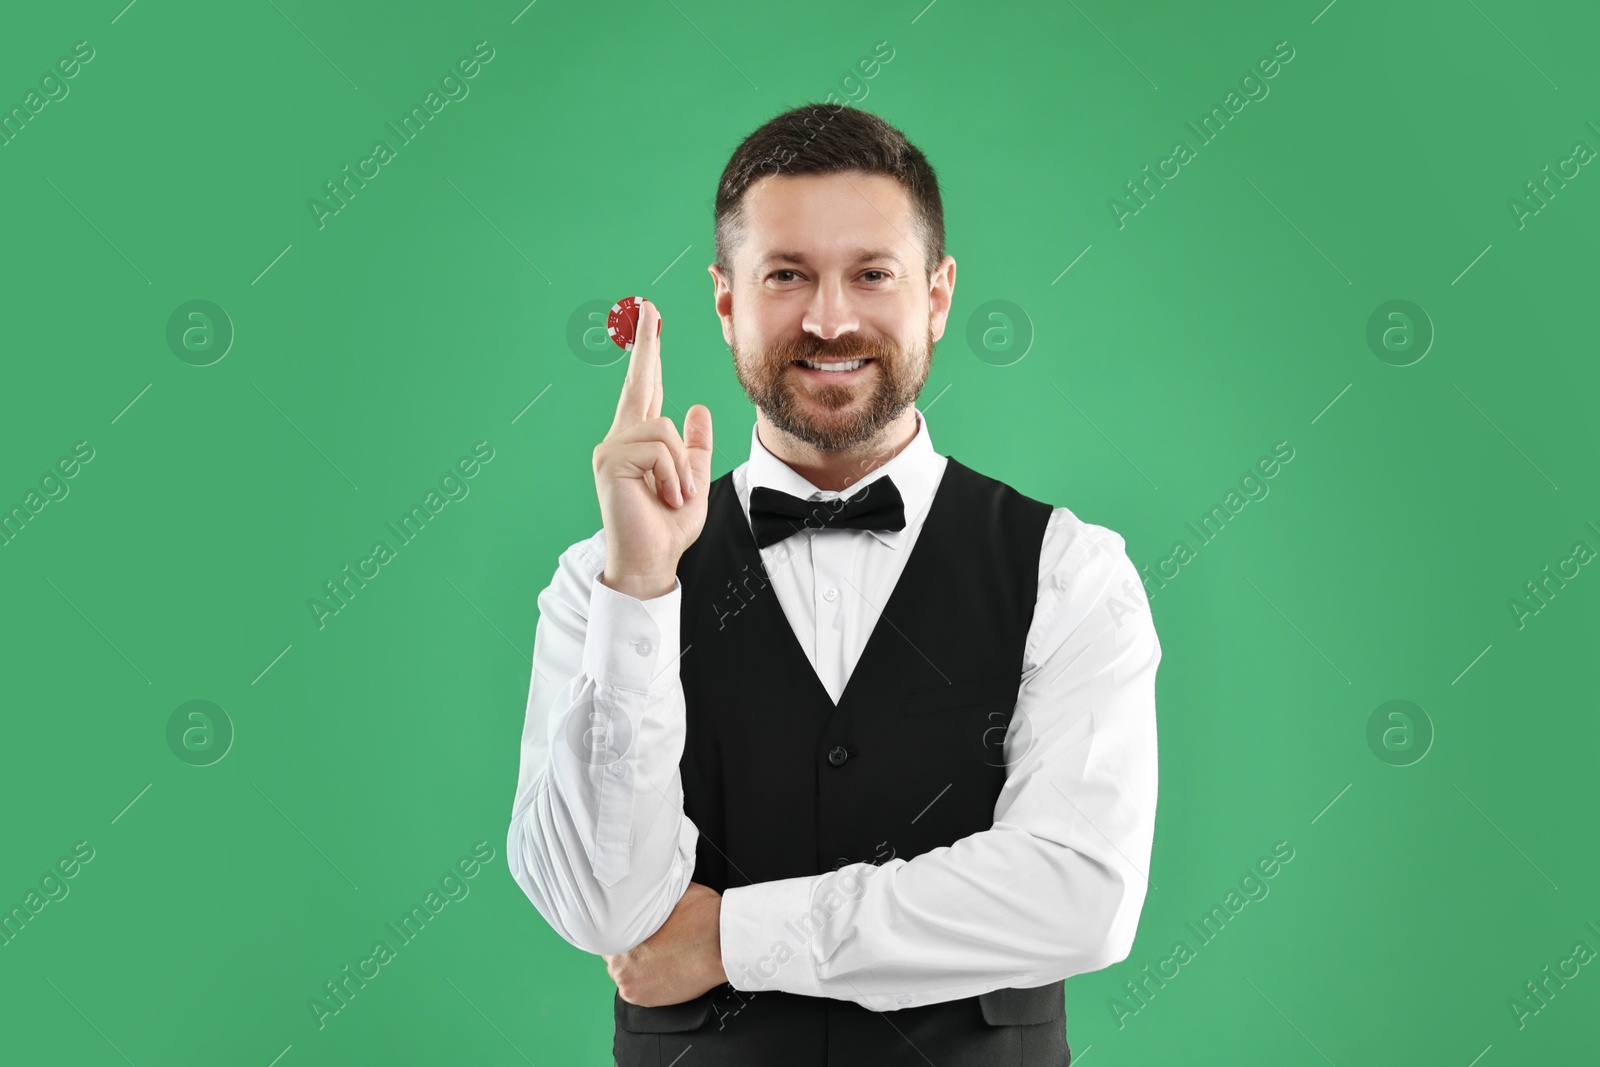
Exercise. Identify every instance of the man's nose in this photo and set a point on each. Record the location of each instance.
(831, 313)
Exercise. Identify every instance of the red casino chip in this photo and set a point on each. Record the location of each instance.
(622, 325)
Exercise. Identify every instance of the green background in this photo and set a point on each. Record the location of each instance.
(434, 311)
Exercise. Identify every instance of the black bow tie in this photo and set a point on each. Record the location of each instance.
(775, 515)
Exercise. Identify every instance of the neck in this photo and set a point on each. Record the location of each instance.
(837, 471)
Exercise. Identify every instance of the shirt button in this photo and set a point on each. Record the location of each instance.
(830, 594)
(642, 647)
(616, 768)
(902, 999)
(837, 755)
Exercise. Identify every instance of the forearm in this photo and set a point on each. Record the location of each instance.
(932, 929)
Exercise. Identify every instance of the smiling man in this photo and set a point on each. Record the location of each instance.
(846, 756)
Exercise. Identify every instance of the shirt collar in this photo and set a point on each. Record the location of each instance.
(916, 469)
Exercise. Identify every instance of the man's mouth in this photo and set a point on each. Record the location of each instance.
(836, 366)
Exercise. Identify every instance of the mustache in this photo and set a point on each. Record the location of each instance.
(852, 346)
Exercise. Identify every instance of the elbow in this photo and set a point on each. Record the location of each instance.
(1125, 896)
(597, 923)
(534, 869)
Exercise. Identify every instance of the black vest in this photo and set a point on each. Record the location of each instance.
(781, 782)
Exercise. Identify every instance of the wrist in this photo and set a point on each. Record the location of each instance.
(716, 975)
(641, 585)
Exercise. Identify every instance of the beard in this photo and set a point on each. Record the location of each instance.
(893, 383)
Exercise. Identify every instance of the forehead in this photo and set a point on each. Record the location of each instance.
(827, 218)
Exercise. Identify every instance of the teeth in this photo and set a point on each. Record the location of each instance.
(850, 364)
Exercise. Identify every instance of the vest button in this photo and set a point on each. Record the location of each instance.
(837, 755)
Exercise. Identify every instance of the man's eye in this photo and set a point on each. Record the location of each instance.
(884, 273)
(775, 273)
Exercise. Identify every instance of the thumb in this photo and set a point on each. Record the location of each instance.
(697, 438)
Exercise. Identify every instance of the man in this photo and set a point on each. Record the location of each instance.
(848, 755)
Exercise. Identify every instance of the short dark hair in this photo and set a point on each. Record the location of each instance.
(820, 139)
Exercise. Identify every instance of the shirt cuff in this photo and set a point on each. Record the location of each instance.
(768, 931)
(629, 639)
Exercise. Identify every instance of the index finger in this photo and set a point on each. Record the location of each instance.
(642, 389)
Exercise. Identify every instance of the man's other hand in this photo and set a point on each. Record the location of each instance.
(679, 961)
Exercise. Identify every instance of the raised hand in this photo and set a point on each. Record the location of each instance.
(651, 482)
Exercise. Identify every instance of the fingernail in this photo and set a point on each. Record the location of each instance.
(658, 328)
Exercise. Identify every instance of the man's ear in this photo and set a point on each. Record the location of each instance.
(941, 294)
(722, 300)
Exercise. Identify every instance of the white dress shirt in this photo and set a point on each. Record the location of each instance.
(600, 844)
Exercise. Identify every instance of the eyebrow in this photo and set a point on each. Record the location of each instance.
(863, 255)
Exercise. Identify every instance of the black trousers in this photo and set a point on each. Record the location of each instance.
(728, 1028)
